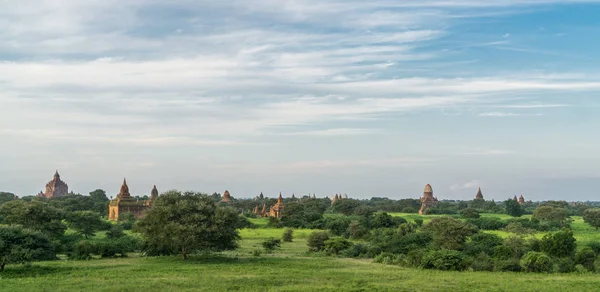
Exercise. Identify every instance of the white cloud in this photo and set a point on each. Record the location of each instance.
(473, 184)
(504, 114)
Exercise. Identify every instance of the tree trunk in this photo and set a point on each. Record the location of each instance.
(184, 253)
(3, 264)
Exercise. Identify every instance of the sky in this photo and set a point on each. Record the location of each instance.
(369, 98)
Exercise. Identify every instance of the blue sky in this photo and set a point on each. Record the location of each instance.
(369, 98)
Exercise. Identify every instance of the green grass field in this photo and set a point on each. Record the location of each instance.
(289, 269)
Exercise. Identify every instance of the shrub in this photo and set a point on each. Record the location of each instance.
(559, 244)
(288, 235)
(449, 233)
(586, 257)
(316, 240)
(271, 244)
(256, 252)
(483, 243)
(129, 244)
(109, 249)
(566, 265)
(413, 241)
(482, 262)
(357, 250)
(536, 262)
(357, 231)
(336, 245)
(469, 213)
(595, 246)
(338, 226)
(274, 222)
(507, 265)
(115, 231)
(409, 210)
(446, 260)
(419, 222)
(487, 223)
(503, 252)
(83, 250)
(414, 257)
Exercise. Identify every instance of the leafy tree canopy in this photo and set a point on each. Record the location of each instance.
(184, 223)
(34, 215)
(19, 245)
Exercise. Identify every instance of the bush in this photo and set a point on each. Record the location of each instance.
(316, 240)
(288, 235)
(566, 265)
(388, 259)
(357, 250)
(336, 245)
(536, 262)
(508, 265)
(357, 231)
(595, 246)
(559, 244)
(419, 222)
(414, 257)
(483, 243)
(274, 222)
(449, 233)
(271, 244)
(482, 263)
(129, 244)
(409, 210)
(83, 250)
(256, 252)
(446, 260)
(587, 258)
(115, 231)
(469, 213)
(487, 223)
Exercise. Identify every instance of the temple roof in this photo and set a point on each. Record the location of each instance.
(428, 189)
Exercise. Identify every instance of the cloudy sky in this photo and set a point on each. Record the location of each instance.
(369, 98)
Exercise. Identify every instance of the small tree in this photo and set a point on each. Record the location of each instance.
(536, 262)
(86, 223)
(559, 244)
(469, 213)
(115, 232)
(587, 258)
(18, 245)
(513, 208)
(336, 245)
(551, 214)
(127, 220)
(592, 217)
(34, 215)
(188, 222)
(271, 244)
(288, 235)
(449, 233)
(316, 240)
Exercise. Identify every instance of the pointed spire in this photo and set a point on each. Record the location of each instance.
(56, 175)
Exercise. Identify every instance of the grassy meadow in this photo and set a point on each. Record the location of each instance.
(289, 269)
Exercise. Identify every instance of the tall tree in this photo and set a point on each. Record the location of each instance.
(86, 223)
(34, 215)
(184, 223)
(449, 233)
(592, 217)
(19, 245)
(513, 208)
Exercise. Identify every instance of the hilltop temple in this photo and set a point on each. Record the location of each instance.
(428, 200)
(479, 195)
(55, 188)
(125, 203)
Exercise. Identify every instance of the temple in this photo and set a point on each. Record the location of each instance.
(479, 195)
(277, 209)
(226, 197)
(521, 200)
(428, 200)
(125, 203)
(55, 188)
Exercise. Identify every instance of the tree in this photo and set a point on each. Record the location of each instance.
(559, 244)
(34, 215)
(592, 217)
(469, 213)
(6, 197)
(449, 233)
(184, 223)
(19, 245)
(345, 206)
(587, 258)
(86, 223)
(100, 201)
(536, 262)
(513, 208)
(316, 240)
(551, 214)
(288, 235)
